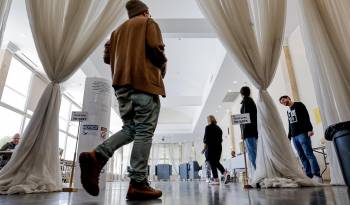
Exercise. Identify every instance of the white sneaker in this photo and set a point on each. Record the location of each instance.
(317, 179)
(207, 180)
(214, 182)
(227, 177)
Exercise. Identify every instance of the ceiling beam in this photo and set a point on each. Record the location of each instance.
(186, 28)
(178, 101)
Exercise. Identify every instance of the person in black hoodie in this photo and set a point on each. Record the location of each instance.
(249, 131)
(300, 131)
(212, 145)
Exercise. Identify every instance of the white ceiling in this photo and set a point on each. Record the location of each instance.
(200, 73)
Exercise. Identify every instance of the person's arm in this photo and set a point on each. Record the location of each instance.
(206, 135)
(106, 55)
(155, 46)
(289, 130)
(220, 135)
(205, 140)
(204, 148)
(306, 119)
(289, 134)
(5, 147)
(243, 110)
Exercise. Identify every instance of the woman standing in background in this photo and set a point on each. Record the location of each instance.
(212, 144)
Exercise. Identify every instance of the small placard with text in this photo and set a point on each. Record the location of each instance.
(241, 119)
(79, 116)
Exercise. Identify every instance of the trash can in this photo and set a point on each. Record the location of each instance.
(340, 135)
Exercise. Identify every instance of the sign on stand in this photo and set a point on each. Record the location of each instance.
(79, 116)
(241, 119)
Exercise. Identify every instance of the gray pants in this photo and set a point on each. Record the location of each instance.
(139, 112)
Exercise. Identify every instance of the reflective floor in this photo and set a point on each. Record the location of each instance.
(189, 193)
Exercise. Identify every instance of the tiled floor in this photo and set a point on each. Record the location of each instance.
(189, 193)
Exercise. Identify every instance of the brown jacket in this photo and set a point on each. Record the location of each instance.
(136, 55)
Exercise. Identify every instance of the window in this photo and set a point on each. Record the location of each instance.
(17, 85)
(10, 122)
(21, 93)
(36, 89)
(115, 122)
(68, 129)
(65, 107)
(20, 96)
(62, 140)
(69, 154)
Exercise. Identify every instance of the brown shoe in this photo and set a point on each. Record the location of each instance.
(90, 168)
(142, 191)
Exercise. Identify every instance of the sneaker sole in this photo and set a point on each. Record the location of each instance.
(141, 197)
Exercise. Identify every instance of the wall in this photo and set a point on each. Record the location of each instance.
(304, 82)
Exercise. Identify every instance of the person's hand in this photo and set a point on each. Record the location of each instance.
(311, 133)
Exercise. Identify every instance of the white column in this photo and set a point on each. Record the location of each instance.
(5, 61)
(231, 136)
(5, 6)
(97, 102)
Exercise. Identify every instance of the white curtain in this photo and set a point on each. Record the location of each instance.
(173, 150)
(186, 151)
(65, 33)
(252, 31)
(5, 6)
(326, 31)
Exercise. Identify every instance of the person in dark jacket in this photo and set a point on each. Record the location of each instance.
(212, 145)
(249, 131)
(300, 131)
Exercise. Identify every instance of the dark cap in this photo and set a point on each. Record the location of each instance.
(135, 7)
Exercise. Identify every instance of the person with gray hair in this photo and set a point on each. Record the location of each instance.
(11, 145)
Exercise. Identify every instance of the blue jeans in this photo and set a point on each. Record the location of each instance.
(250, 144)
(139, 112)
(302, 144)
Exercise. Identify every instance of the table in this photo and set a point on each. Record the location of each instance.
(321, 150)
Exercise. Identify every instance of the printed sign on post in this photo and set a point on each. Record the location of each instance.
(79, 116)
(241, 119)
(90, 130)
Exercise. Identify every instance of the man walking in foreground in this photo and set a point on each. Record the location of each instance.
(300, 131)
(135, 52)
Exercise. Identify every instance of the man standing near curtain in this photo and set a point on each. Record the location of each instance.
(300, 131)
(135, 52)
(249, 131)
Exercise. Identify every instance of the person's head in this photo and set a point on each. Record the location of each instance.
(245, 91)
(137, 8)
(211, 119)
(286, 100)
(16, 138)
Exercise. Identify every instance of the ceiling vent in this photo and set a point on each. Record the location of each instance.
(230, 97)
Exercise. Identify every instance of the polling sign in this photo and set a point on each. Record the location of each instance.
(241, 119)
(79, 116)
(90, 130)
